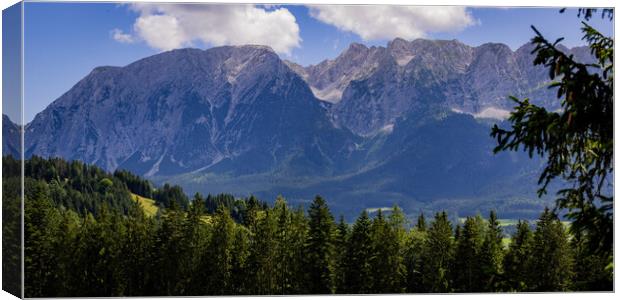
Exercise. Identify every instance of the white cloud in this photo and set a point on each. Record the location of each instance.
(377, 22)
(161, 31)
(493, 113)
(169, 26)
(119, 36)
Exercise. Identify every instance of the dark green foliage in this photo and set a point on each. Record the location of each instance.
(593, 272)
(551, 266)
(467, 266)
(168, 248)
(11, 226)
(421, 224)
(437, 255)
(118, 251)
(220, 254)
(386, 261)
(136, 249)
(40, 214)
(240, 254)
(517, 258)
(238, 207)
(413, 260)
(135, 184)
(577, 141)
(320, 248)
(77, 186)
(492, 254)
(284, 255)
(261, 260)
(196, 238)
(357, 268)
(171, 195)
(342, 235)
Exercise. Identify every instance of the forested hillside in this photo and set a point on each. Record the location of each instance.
(86, 237)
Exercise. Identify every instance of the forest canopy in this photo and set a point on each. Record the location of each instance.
(222, 245)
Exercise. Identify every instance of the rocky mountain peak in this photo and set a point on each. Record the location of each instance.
(180, 110)
(356, 48)
(398, 43)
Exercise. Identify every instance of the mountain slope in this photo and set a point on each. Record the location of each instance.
(372, 87)
(187, 110)
(10, 138)
(408, 123)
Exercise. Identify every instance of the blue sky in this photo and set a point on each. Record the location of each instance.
(65, 41)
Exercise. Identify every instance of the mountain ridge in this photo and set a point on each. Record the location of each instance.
(456, 74)
(414, 118)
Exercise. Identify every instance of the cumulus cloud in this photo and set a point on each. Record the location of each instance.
(119, 36)
(377, 22)
(169, 26)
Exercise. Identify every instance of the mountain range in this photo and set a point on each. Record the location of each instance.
(404, 124)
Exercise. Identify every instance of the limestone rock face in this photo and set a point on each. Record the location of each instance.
(184, 110)
(372, 87)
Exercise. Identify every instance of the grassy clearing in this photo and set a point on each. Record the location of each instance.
(507, 222)
(148, 205)
(150, 208)
(502, 222)
(506, 242)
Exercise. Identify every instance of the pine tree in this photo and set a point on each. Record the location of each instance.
(593, 271)
(357, 269)
(387, 260)
(195, 240)
(467, 272)
(41, 226)
(136, 249)
(65, 240)
(285, 249)
(397, 222)
(220, 253)
(262, 256)
(382, 244)
(342, 235)
(240, 268)
(320, 248)
(551, 266)
(438, 254)
(298, 237)
(167, 249)
(413, 260)
(413, 255)
(492, 255)
(517, 257)
(421, 223)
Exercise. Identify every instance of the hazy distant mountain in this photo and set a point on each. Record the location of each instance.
(10, 137)
(408, 123)
(372, 87)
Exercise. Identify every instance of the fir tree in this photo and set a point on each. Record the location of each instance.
(421, 223)
(413, 260)
(467, 271)
(492, 255)
(438, 254)
(551, 266)
(220, 253)
(357, 268)
(342, 235)
(517, 258)
(320, 248)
